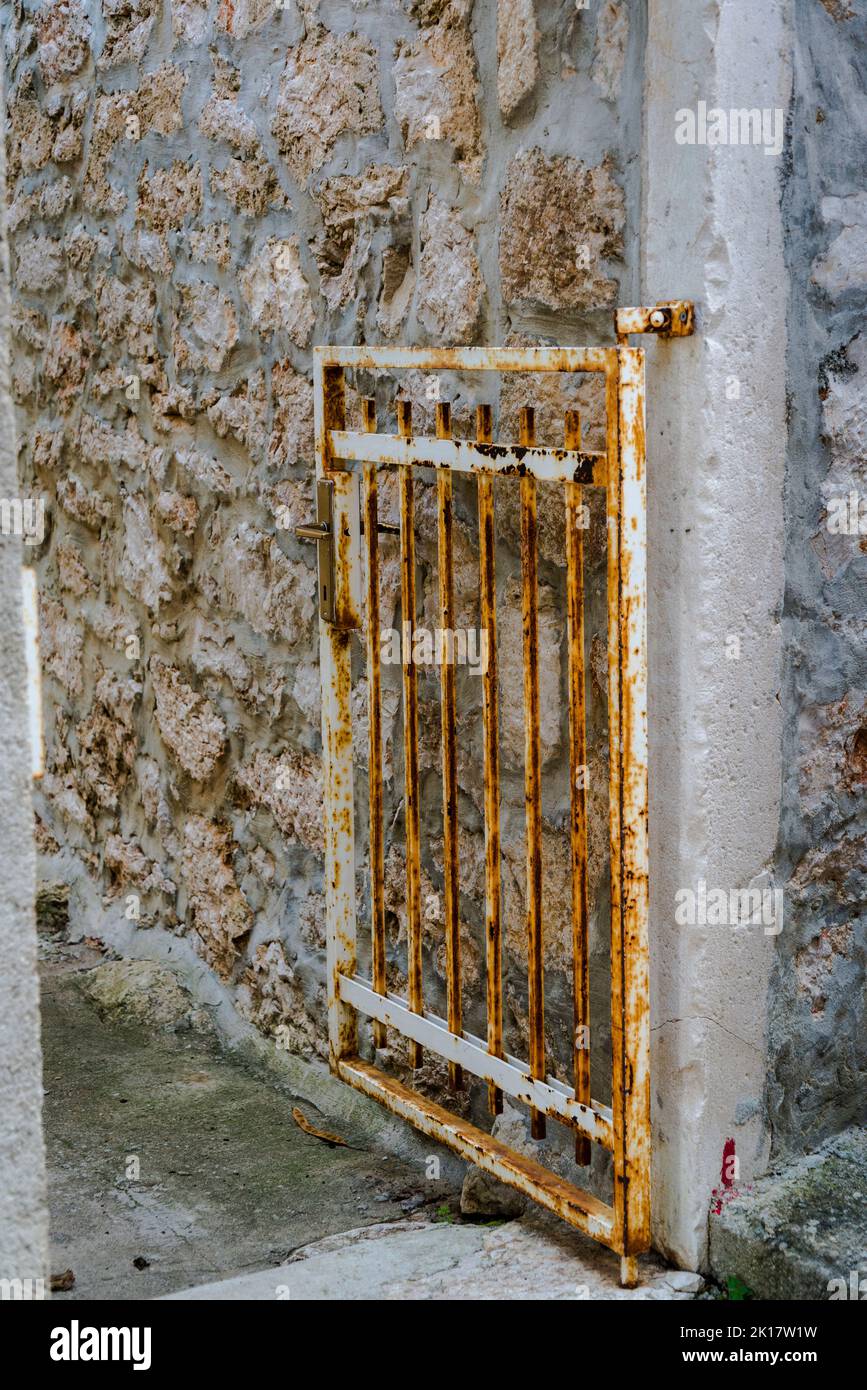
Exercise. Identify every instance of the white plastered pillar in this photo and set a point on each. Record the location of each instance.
(712, 232)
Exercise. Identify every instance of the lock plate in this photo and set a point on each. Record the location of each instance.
(322, 532)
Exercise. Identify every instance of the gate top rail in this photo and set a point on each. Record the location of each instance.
(551, 359)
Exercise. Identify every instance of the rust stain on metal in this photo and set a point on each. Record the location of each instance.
(491, 726)
(612, 401)
(451, 886)
(511, 1075)
(624, 1128)
(513, 460)
(410, 734)
(673, 318)
(336, 673)
(551, 359)
(578, 783)
(580, 1209)
(334, 408)
(374, 752)
(532, 768)
(634, 1138)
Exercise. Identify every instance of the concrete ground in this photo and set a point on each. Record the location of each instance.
(170, 1163)
(175, 1169)
(536, 1257)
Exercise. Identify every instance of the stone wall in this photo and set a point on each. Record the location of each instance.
(817, 1034)
(199, 192)
(23, 1204)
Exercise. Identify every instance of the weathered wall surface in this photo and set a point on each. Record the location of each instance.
(818, 1039)
(23, 1206)
(717, 456)
(200, 191)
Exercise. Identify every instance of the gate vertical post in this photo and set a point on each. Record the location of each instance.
(335, 654)
(631, 1021)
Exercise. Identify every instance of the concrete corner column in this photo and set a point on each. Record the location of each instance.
(716, 448)
(23, 1209)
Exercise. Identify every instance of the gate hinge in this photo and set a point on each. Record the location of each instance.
(322, 532)
(674, 318)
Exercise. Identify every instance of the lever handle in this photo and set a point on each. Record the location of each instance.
(322, 532)
(314, 531)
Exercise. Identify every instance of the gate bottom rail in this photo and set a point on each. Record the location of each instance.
(573, 1205)
(507, 1073)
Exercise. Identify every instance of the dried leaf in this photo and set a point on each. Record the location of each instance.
(303, 1123)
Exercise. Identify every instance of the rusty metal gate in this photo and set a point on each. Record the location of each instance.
(347, 520)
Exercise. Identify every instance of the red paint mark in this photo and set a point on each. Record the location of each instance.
(728, 1173)
(728, 1163)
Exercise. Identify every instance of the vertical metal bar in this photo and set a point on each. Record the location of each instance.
(627, 665)
(632, 1165)
(450, 762)
(334, 655)
(532, 769)
(612, 500)
(410, 734)
(578, 781)
(374, 716)
(491, 735)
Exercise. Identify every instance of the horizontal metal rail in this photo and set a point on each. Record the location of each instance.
(507, 1073)
(432, 359)
(581, 1209)
(467, 456)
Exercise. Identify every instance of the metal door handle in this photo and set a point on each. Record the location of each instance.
(321, 532)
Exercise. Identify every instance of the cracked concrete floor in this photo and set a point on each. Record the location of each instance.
(174, 1170)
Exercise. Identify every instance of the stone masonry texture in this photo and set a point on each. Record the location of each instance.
(817, 1025)
(23, 1205)
(199, 191)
